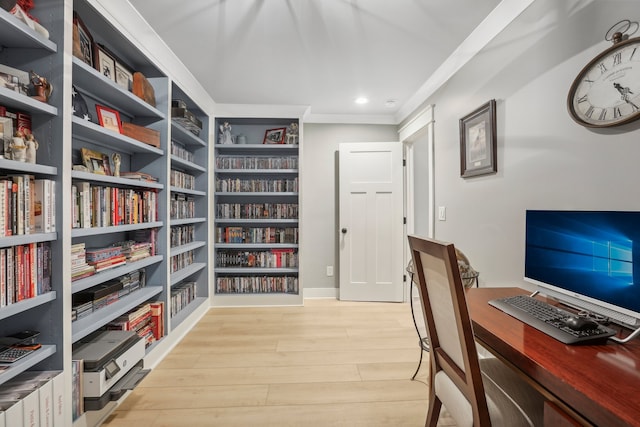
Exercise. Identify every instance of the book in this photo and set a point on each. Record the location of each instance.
(77, 393)
(44, 206)
(3, 277)
(102, 254)
(157, 317)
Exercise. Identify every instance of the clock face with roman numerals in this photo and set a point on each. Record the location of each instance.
(607, 90)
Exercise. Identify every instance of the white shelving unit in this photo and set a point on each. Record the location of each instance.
(257, 195)
(189, 154)
(25, 49)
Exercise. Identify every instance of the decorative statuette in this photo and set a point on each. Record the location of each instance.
(42, 89)
(32, 146)
(292, 134)
(225, 134)
(116, 164)
(18, 147)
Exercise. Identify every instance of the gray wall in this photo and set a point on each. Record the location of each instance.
(319, 191)
(545, 160)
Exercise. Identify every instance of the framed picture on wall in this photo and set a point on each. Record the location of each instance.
(478, 141)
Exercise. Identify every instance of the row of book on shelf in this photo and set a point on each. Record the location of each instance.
(237, 185)
(181, 179)
(86, 262)
(274, 258)
(257, 235)
(182, 235)
(180, 261)
(27, 205)
(25, 272)
(103, 206)
(256, 284)
(257, 210)
(181, 295)
(256, 162)
(179, 151)
(182, 206)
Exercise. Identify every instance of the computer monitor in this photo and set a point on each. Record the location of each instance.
(587, 259)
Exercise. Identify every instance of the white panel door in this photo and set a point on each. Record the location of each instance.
(371, 225)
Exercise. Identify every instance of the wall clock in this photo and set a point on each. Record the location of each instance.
(607, 91)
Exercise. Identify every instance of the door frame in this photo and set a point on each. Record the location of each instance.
(422, 123)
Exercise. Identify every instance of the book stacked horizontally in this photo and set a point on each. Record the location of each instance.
(146, 320)
(139, 175)
(79, 267)
(134, 251)
(105, 258)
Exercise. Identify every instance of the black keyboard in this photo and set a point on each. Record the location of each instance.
(549, 319)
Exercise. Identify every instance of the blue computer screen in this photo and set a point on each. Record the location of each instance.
(596, 254)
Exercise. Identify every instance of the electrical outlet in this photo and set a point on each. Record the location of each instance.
(329, 270)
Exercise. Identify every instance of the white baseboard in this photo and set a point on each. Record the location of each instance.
(321, 293)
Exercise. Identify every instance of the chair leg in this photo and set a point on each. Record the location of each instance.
(433, 414)
(419, 363)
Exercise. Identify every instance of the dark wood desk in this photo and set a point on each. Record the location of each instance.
(598, 383)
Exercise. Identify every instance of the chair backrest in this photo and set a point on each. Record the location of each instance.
(453, 349)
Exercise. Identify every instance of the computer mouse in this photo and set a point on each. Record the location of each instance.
(580, 323)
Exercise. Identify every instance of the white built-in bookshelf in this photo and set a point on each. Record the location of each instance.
(32, 290)
(257, 213)
(95, 208)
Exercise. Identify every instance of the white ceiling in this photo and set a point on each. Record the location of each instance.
(317, 53)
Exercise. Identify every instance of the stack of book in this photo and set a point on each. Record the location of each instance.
(105, 258)
(137, 320)
(79, 267)
(134, 251)
(147, 320)
(149, 235)
(139, 175)
(104, 294)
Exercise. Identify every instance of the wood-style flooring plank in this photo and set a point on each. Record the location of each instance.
(329, 363)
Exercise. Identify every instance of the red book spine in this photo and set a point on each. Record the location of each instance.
(33, 270)
(19, 260)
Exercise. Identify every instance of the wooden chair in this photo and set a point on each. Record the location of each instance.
(476, 392)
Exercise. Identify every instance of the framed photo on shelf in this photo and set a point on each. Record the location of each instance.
(82, 41)
(478, 141)
(96, 161)
(6, 133)
(104, 63)
(274, 136)
(109, 118)
(123, 76)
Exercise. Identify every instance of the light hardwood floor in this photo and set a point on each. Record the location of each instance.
(329, 363)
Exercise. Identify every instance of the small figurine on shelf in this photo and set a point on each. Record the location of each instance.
(42, 89)
(32, 146)
(225, 133)
(116, 164)
(18, 147)
(292, 134)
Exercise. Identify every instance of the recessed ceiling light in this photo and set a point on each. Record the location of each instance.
(361, 100)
